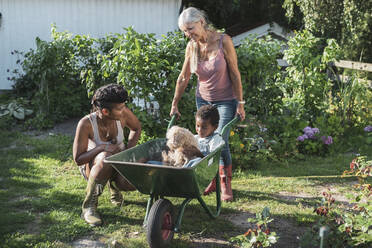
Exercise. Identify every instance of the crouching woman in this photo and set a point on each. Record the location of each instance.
(99, 135)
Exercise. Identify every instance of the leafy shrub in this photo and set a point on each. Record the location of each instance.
(50, 79)
(348, 21)
(145, 137)
(306, 84)
(6, 122)
(350, 93)
(285, 129)
(257, 58)
(251, 143)
(148, 68)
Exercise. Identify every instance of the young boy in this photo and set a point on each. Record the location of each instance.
(207, 119)
(206, 123)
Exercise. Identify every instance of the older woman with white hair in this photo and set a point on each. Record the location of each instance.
(212, 57)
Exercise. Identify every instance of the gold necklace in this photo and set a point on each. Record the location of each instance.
(203, 51)
(105, 130)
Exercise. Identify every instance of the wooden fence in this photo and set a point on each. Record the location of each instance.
(354, 65)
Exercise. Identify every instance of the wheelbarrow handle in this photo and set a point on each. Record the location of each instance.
(172, 121)
(228, 125)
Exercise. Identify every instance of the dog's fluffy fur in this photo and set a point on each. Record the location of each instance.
(182, 147)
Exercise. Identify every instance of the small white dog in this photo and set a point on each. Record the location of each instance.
(182, 147)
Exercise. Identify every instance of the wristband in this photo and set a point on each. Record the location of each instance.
(241, 102)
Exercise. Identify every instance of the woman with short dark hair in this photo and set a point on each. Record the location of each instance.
(99, 135)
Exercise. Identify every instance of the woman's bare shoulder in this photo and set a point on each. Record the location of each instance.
(189, 46)
(228, 45)
(84, 123)
(126, 114)
(226, 39)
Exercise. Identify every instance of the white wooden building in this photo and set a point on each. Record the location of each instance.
(21, 21)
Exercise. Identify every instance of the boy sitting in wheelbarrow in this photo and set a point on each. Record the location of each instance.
(191, 149)
(207, 119)
(206, 123)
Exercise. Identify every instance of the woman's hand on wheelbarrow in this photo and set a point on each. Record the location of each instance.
(174, 111)
(240, 111)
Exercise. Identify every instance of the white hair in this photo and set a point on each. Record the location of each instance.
(191, 15)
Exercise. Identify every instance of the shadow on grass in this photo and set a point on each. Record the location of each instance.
(32, 208)
(311, 166)
(294, 200)
(114, 216)
(331, 165)
(284, 199)
(18, 191)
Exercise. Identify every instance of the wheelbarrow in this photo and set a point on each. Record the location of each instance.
(160, 181)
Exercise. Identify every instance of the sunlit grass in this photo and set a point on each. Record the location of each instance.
(41, 192)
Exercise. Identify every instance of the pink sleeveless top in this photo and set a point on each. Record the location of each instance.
(214, 83)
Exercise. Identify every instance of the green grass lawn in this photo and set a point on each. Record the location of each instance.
(41, 192)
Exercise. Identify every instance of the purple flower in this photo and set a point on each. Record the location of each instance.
(302, 137)
(307, 129)
(310, 132)
(311, 136)
(368, 128)
(315, 130)
(327, 140)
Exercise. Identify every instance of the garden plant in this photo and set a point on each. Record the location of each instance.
(305, 122)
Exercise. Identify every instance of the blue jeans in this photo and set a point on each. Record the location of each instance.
(227, 111)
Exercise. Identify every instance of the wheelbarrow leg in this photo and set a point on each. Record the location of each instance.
(218, 201)
(150, 201)
(202, 202)
(180, 214)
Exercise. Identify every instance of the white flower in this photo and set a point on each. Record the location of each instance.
(253, 240)
(272, 239)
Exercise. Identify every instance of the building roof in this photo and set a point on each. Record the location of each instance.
(273, 29)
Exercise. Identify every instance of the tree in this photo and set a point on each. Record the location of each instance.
(347, 21)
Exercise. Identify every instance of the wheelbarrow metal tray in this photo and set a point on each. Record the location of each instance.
(164, 180)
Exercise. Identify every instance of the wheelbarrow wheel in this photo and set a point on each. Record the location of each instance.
(160, 224)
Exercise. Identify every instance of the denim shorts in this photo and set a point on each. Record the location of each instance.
(227, 112)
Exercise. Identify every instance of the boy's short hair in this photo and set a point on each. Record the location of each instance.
(209, 112)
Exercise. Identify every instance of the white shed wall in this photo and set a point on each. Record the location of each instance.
(24, 20)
